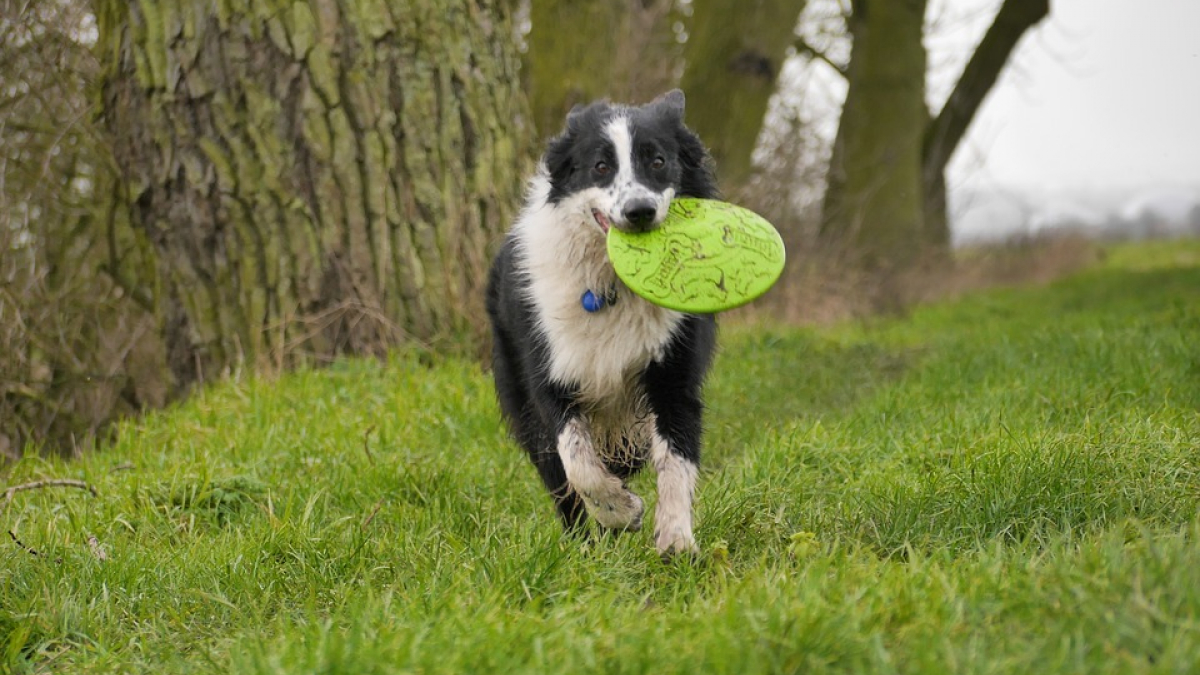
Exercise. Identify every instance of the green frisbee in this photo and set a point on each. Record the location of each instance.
(707, 256)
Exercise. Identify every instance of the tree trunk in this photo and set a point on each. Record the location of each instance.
(944, 133)
(584, 50)
(318, 177)
(874, 202)
(733, 55)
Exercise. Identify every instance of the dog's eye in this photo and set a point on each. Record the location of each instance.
(602, 168)
(658, 163)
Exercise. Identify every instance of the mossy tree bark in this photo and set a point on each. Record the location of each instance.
(583, 50)
(874, 197)
(733, 55)
(317, 176)
(580, 50)
(886, 186)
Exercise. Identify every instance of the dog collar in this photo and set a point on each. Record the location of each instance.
(593, 302)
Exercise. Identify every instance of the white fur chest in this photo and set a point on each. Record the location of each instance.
(563, 254)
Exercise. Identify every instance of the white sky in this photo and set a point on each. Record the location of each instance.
(1103, 95)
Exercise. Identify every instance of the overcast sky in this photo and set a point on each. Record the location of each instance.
(1103, 95)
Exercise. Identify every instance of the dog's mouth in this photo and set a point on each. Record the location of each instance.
(601, 220)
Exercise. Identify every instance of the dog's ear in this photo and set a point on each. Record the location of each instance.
(582, 111)
(698, 179)
(671, 103)
(558, 158)
(576, 116)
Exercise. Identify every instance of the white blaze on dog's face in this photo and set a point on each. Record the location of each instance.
(619, 166)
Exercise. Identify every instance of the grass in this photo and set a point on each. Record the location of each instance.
(1007, 483)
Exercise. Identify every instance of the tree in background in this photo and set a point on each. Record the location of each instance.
(733, 55)
(945, 131)
(873, 185)
(77, 348)
(631, 51)
(581, 50)
(318, 177)
(279, 180)
(886, 195)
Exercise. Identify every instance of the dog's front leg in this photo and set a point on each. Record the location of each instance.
(604, 495)
(676, 489)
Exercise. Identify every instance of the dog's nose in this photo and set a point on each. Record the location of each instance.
(639, 213)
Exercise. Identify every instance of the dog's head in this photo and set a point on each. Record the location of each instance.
(623, 165)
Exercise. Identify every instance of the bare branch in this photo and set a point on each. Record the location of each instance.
(367, 444)
(374, 512)
(944, 133)
(28, 549)
(802, 47)
(49, 482)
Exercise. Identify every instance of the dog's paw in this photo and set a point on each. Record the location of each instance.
(675, 541)
(619, 511)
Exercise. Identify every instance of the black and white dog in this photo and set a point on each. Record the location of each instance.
(594, 380)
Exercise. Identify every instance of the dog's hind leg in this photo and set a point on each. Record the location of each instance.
(605, 495)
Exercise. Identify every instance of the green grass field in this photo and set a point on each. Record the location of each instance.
(1007, 483)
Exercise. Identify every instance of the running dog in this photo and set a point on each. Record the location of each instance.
(593, 380)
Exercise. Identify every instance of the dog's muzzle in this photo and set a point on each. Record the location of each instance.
(639, 215)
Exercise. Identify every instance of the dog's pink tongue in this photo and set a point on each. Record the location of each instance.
(600, 219)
